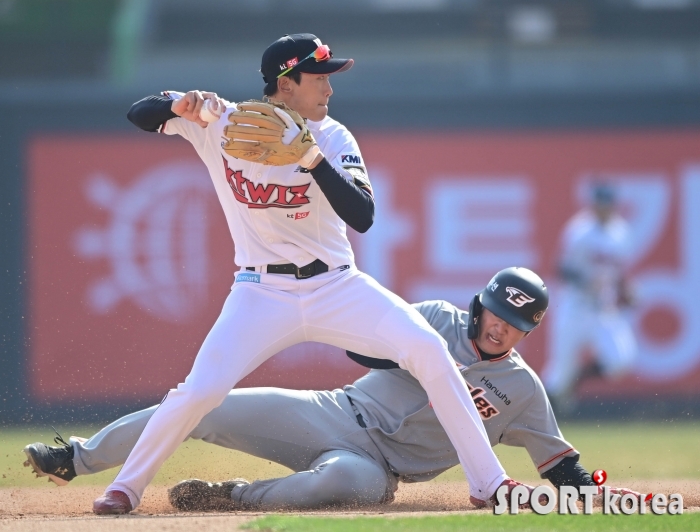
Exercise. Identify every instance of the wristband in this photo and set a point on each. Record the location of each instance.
(310, 156)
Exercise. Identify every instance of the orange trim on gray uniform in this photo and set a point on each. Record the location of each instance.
(478, 353)
(555, 457)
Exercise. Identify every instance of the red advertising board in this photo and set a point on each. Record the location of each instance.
(130, 258)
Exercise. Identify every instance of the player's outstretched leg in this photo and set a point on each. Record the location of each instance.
(336, 478)
(313, 422)
(111, 446)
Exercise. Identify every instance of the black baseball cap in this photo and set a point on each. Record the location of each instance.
(292, 52)
(604, 194)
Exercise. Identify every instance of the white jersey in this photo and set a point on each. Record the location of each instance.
(596, 255)
(277, 214)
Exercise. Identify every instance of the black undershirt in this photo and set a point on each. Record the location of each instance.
(569, 472)
(352, 203)
(151, 112)
(486, 356)
(372, 363)
(380, 363)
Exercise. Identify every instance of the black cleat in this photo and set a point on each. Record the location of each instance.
(53, 462)
(198, 495)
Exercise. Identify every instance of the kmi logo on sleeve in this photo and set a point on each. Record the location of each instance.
(350, 159)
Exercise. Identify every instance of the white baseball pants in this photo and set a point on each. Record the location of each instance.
(345, 308)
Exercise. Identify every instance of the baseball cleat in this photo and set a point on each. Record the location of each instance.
(112, 503)
(53, 462)
(198, 495)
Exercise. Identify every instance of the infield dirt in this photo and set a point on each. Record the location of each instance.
(69, 508)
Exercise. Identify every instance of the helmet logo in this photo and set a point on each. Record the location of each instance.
(538, 316)
(517, 297)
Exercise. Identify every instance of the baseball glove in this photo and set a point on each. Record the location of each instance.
(268, 133)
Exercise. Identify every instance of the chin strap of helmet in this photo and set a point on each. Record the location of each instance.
(475, 308)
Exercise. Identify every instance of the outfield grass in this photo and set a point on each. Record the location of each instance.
(478, 523)
(643, 451)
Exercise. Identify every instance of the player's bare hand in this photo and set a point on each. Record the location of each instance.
(190, 105)
(620, 491)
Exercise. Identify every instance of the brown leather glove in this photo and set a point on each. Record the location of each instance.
(267, 132)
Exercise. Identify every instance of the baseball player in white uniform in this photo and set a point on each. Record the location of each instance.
(591, 312)
(297, 280)
(354, 446)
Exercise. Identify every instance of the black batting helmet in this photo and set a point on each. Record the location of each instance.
(516, 295)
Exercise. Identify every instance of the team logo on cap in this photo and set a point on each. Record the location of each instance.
(517, 297)
(289, 64)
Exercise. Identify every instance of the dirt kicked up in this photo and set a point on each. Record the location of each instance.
(46, 510)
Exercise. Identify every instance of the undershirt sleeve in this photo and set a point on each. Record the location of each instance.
(354, 205)
(569, 472)
(372, 363)
(151, 113)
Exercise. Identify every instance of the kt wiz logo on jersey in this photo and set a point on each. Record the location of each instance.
(265, 196)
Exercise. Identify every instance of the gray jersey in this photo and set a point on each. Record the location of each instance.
(317, 434)
(506, 391)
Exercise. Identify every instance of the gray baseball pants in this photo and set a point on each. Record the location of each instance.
(316, 434)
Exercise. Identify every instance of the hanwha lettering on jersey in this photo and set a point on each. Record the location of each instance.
(517, 297)
(259, 196)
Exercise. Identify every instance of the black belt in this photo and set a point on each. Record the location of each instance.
(311, 269)
(360, 421)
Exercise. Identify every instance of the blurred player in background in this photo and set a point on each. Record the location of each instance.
(595, 251)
